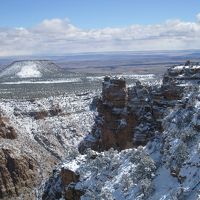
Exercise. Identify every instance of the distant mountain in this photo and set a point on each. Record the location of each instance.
(32, 69)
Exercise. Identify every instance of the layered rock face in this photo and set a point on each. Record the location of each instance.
(129, 117)
(17, 174)
(116, 125)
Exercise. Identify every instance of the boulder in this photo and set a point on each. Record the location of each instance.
(68, 176)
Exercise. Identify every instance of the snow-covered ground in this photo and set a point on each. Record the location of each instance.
(167, 168)
(69, 80)
(48, 139)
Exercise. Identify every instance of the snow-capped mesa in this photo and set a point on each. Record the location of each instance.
(29, 69)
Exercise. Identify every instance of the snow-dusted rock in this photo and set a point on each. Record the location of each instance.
(167, 168)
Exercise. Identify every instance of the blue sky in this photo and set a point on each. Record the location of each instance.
(57, 27)
(96, 13)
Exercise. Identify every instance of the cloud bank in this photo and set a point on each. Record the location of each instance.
(59, 36)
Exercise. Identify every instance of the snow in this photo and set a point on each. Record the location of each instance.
(163, 183)
(122, 123)
(127, 76)
(69, 80)
(182, 67)
(29, 71)
(179, 67)
(139, 77)
(95, 78)
(74, 164)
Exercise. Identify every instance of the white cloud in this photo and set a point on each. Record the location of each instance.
(57, 36)
(198, 17)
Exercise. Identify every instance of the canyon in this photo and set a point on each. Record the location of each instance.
(117, 144)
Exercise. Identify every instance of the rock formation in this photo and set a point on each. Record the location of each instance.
(69, 179)
(6, 131)
(129, 117)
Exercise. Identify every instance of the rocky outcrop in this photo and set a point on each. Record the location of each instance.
(68, 179)
(125, 116)
(68, 176)
(114, 92)
(129, 117)
(112, 111)
(72, 193)
(6, 131)
(17, 173)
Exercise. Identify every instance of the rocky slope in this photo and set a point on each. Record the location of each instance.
(35, 136)
(167, 167)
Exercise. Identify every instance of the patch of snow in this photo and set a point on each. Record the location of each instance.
(95, 78)
(70, 80)
(180, 67)
(29, 71)
(137, 76)
(164, 183)
(74, 164)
